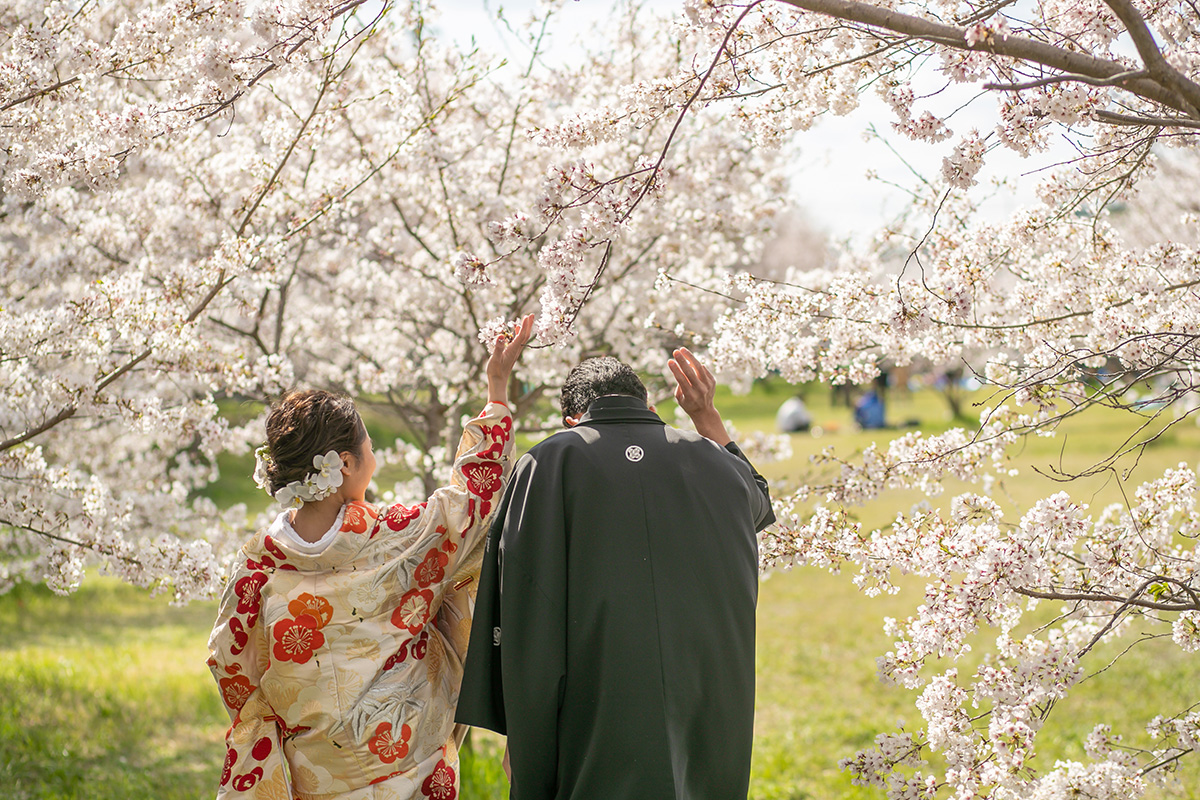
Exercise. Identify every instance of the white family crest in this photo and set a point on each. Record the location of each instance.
(634, 453)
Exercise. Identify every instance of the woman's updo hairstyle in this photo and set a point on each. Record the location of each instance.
(305, 424)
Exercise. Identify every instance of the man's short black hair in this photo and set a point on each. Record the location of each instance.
(597, 377)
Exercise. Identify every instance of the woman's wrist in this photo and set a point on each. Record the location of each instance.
(498, 390)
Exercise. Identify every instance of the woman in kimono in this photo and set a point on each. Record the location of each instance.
(339, 644)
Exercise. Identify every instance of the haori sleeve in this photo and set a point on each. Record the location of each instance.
(238, 656)
(759, 491)
(515, 673)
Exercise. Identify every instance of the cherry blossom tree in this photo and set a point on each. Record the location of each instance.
(1055, 308)
(213, 201)
(209, 203)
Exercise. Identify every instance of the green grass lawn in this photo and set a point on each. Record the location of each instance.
(105, 693)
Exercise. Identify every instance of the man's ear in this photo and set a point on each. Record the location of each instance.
(571, 422)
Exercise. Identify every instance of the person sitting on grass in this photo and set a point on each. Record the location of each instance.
(340, 639)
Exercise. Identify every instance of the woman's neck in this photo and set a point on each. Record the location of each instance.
(312, 520)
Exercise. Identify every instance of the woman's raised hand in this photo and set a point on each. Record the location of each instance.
(505, 352)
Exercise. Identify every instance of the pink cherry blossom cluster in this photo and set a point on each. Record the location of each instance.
(1097, 303)
(205, 204)
(82, 87)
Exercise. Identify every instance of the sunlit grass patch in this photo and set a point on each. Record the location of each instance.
(106, 695)
(480, 771)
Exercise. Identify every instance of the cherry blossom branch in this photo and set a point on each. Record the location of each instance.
(1139, 121)
(283, 160)
(1113, 618)
(63, 415)
(535, 53)
(1167, 87)
(683, 109)
(1115, 80)
(1106, 597)
(104, 551)
(292, 44)
(40, 92)
(1162, 72)
(1143, 639)
(221, 280)
(986, 12)
(1165, 761)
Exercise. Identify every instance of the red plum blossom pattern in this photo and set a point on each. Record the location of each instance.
(341, 636)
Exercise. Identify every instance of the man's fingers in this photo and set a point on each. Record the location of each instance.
(698, 376)
(681, 365)
(696, 370)
(683, 380)
(701, 371)
(673, 365)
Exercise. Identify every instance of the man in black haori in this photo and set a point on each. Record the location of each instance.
(613, 639)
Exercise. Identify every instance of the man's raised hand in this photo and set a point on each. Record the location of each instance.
(695, 388)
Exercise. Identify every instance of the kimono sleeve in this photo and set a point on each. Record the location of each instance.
(238, 656)
(454, 519)
(516, 664)
(442, 536)
(477, 482)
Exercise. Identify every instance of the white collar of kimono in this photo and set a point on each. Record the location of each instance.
(282, 528)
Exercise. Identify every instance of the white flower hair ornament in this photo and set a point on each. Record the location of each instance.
(317, 485)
